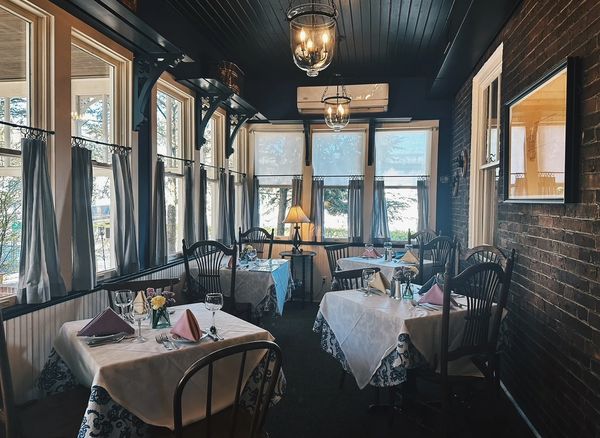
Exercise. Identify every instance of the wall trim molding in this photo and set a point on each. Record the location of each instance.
(520, 411)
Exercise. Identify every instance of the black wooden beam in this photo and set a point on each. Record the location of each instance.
(371, 143)
(307, 143)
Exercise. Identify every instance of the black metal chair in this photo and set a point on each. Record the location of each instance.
(439, 251)
(349, 279)
(421, 237)
(208, 256)
(137, 285)
(485, 254)
(334, 253)
(236, 421)
(258, 237)
(57, 416)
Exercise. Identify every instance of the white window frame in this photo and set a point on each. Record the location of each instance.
(481, 215)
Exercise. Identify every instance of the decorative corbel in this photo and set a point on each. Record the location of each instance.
(233, 123)
(147, 68)
(205, 108)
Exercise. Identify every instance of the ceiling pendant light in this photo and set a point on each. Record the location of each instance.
(337, 107)
(312, 35)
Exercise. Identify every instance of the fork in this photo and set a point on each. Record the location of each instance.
(165, 338)
(160, 340)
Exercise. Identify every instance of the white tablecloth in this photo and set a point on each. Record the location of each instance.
(142, 377)
(387, 268)
(367, 330)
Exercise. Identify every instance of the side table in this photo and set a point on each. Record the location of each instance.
(304, 257)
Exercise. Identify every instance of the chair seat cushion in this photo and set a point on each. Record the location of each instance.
(57, 416)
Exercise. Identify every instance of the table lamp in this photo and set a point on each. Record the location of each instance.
(296, 216)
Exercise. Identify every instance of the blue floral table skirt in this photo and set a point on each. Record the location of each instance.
(392, 370)
(104, 418)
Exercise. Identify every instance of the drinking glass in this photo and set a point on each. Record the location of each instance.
(367, 276)
(213, 302)
(252, 255)
(140, 310)
(368, 246)
(387, 251)
(123, 299)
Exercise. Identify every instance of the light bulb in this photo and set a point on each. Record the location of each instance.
(325, 38)
(309, 44)
(329, 110)
(340, 109)
(302, 35)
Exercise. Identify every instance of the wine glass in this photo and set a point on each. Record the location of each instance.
(140, 310)
(367, 276)
(213, 302)
(252, 255)
(387, 250)
(123, 299)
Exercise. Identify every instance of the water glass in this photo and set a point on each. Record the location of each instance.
(123, 299)
(140, 310)
(213, 302)
(367, 276)
(252, 255)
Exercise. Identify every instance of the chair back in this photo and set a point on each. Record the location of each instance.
(439, 251)
(349, 279)
(207, 258)
(485, 254)
(7, 400)
(137, 285)
(271, 366)
(485, 286)
(421, 237)
(334, 253)
(258, 237)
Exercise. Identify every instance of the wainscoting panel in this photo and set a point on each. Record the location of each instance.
(30, 337)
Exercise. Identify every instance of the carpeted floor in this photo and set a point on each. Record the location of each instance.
(314, 406)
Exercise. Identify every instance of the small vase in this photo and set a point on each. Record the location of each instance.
(408, 293)
(160, 318)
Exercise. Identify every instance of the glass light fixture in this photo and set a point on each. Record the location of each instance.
(312, 35)
(337, 108)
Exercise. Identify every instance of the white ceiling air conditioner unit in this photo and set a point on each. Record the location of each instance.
(366, 98)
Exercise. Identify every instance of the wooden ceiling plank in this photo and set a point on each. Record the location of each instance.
(277, 41)
(423, 32)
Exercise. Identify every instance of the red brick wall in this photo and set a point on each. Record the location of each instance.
(552, 365)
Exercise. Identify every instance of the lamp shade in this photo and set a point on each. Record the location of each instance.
(296, 216)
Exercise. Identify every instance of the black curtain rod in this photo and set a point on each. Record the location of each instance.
(166, 157)
(402, 176)
(31, 128)
(111, 145)
(222, 169)
(294, 175)
(338, 176)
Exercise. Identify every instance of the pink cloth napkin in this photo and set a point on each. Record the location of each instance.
(187, 327)
(106, 323)
(435, 295)
(371, 253)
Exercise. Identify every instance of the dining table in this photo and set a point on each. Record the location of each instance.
(377, 338)
(387, 267)
(132, 384)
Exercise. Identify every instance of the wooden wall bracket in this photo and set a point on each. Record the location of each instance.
(206, 106)
(233, 123)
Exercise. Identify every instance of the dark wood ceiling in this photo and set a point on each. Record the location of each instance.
(393, 37)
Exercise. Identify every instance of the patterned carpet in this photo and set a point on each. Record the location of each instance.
(314, 406)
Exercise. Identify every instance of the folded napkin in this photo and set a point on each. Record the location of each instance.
(428, 285)
(409, 257)
(371, 254)
(435, 295)
(379, 282)
(187, 327)
(106, 323)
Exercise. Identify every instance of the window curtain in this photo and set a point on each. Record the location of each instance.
(84, 252)
(202, 220)
(423, 203)
(188, 219)
(39, 268)
(255, 202)
(355, 209)
(317, 209)
(380, 230)
(126, 251)
(231, 206)
(296, 198)
(159, 254)
(223, 221)
(246, 223)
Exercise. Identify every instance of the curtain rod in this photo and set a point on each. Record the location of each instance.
(87, 140)
(14, 125)
(338, 176)
(294, 175)
(166, 157)
(402, 176)
(222, 169)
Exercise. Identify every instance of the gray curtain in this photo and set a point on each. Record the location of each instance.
(423, 203)
(223, 235)
(316, 210)
(231, 206)
(380, 230)
(202, 220)
(355, 209)
(84, 251)
(126, 251)
(255, 202)
(159, 255)
(39, 268)
(246, 213)
(188, 217)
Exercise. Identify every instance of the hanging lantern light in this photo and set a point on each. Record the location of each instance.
(337, 107)
(312, 35)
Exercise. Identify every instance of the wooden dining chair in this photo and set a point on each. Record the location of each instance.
(138, 285)
(334, 253)
(208, 257)
(58, 416)
(485, 254)
(239, 420)
(421, 237)
(258, 238)
(349, 279)
(439, 251)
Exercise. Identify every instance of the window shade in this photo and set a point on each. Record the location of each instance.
(276, 154)
(338, 153)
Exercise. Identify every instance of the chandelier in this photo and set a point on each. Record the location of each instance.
(337, 107)
(312, 35)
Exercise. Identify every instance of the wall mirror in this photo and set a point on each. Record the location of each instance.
(540, 136)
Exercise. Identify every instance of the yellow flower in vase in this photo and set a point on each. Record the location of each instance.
(158, 302)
